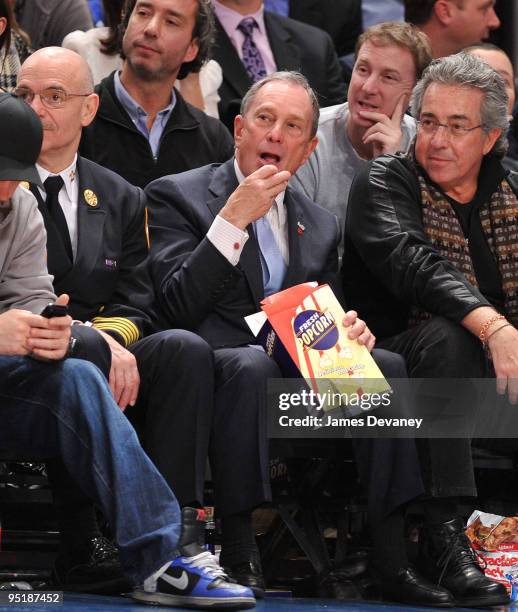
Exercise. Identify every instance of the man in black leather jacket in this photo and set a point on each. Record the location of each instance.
(430, 262)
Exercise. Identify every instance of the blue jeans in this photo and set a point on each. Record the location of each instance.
(66, 409)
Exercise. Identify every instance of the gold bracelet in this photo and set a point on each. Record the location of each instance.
(484, 329)
(497, 330)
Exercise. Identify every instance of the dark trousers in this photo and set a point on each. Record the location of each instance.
(388, 468)
(173, 413)
(439, 348)
(190, 395)
(239, 444)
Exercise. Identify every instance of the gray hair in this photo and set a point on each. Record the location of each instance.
(295, 78)
(466, 70)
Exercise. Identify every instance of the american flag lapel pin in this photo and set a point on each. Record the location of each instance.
(300, 228)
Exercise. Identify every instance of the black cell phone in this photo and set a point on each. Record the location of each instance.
(54, 310)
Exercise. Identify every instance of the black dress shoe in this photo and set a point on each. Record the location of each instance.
(353, 566)
(95, 569)
(334, 585)
(248, 574)
(446, 556)
(407, 586)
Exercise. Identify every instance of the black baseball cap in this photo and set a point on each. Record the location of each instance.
(21, 135)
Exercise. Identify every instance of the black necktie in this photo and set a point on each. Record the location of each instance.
(52, 187)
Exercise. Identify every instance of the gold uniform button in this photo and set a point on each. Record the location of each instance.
(91, 198)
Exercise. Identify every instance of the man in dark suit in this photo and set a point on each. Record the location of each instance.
(273, 43)
(341, 19)
(97, 249)
(222, 238)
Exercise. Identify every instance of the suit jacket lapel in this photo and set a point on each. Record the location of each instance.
(222, 185)
(226, 55)
(285, 53)
(298, 242)
(90, 223)
(58, 260)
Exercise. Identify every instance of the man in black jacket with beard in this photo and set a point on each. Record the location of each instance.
(144, 129)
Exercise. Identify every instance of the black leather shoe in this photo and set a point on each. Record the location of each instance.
(409, 587)
(96, 569)
(353, 566)
(248, 574)
(446, 555)
(334, 585)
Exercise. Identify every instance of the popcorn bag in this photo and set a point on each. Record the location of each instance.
(301, 328)
(495, 540)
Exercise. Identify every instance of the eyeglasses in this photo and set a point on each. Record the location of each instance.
(430, 126)
(52, 97)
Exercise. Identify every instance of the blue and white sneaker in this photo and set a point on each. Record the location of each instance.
(194, 579)
(195, 582)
